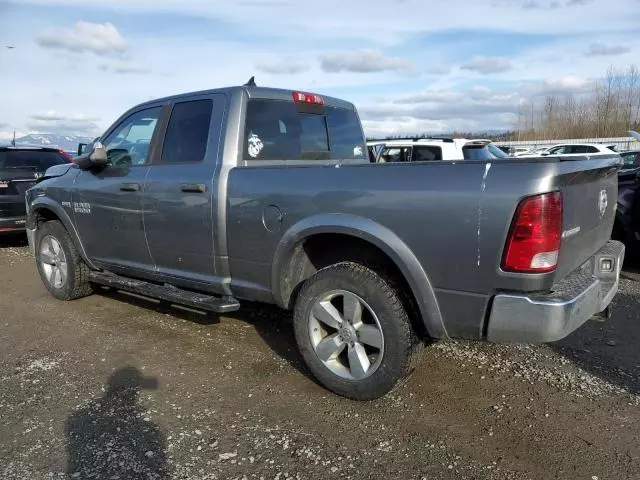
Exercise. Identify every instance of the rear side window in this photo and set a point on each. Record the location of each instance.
(188, 132)
(37, 160)
(476, 153)
(426, 154)
(279, 130)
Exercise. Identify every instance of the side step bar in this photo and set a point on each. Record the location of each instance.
(166, 292)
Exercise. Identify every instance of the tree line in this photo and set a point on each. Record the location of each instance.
(609, 108)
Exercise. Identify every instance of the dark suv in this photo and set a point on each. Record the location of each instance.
(20, 168)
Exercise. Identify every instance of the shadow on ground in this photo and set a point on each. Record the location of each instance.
(109, 438)
(611, 349)
(8, 240)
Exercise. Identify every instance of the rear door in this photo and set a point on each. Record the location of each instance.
(180, 192)
(107, 203)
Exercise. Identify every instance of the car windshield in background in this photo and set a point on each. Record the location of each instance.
(485, 152)
(280, 130)
(38, 160)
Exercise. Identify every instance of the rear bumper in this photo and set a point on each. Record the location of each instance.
(12, 224)
(539, 318)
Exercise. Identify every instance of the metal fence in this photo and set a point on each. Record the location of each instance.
(621, 143)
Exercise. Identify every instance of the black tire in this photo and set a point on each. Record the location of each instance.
(76, 284)
(402, 347)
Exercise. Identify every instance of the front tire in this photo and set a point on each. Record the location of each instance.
(353, 331)
(60, 266)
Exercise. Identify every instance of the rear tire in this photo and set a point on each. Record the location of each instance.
(354, 332)
(60, 266)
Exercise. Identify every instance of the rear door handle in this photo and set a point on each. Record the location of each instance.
(193, 187)
(130, 187)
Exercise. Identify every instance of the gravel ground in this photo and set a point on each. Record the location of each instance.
(118, 387)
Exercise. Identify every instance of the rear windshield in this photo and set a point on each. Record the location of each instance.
(486, 152)
(280, 130)
(34, 159)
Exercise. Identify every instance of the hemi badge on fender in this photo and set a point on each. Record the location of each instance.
(570, 233)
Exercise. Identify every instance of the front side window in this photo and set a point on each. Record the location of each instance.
(130, 142)
(279, 130)
(188, 132)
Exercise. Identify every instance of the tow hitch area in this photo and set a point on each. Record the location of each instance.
(603, 316)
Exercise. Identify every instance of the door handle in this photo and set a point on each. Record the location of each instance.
(193, 187)
(130, 187)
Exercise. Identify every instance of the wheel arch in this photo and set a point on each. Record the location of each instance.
(302, 252)
(43, 210)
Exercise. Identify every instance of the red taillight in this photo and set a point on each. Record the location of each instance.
(536, 231)
(66, 155)
(301, 97)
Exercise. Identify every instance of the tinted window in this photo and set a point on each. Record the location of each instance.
(476, 153)
(30, 159)
(496, 152)
(590, 149)
(426, 153)
(314, 142)
(129, 143)
(277, 130)
(346, 133)
(395, 154)
(187, 132)
(630, 158)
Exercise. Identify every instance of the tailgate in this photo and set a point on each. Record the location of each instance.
(590, 190)
(16, 181)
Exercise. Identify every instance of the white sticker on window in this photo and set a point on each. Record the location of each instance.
(255, 145)
(357, 151)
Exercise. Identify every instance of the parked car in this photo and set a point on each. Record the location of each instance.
(246, 193)
(20, 167)
(430, 149)
(631, 159)
(574, 149)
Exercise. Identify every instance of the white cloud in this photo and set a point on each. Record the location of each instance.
(361, 61)
(124, 68)
(54, 122)
(430, 96)
(99, 38)
(287, 66)
(487, 65)
(602, 50)
(574, 84)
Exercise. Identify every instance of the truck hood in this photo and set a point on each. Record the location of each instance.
(57, 171)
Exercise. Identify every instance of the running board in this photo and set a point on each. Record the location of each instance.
(166, 292)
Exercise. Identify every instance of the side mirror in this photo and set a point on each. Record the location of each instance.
(544, 154)
(81, 148)
(98, 156)
(95, 159)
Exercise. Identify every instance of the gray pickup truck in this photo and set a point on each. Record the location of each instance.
(256, 194)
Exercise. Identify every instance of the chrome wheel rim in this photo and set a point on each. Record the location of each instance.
(53, 261)
(346, 335)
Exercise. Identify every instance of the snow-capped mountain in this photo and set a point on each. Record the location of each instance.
(66, 142)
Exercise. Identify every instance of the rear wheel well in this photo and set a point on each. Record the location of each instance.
(322, 250)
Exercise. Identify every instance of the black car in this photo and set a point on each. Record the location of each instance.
(631, 159)
(20, 168)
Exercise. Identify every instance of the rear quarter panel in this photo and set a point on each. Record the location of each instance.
(453, 216)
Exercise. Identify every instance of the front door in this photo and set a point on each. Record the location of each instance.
(107, 203)
(180, 207)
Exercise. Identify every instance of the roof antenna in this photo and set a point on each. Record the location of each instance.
(251, 82)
